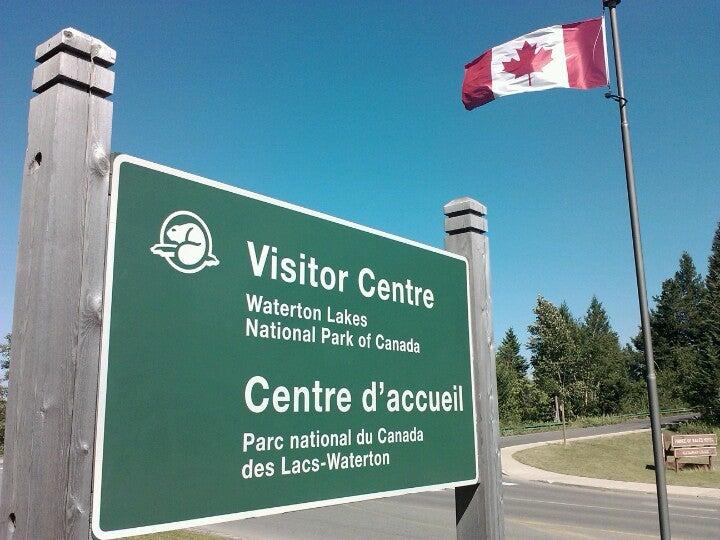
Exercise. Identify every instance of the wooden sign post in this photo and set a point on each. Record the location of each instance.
(50, 424)
(479, 508)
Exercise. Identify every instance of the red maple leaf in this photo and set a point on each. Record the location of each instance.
(529, 61)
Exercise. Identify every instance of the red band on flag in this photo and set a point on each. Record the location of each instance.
(585, 53)
(477, 84)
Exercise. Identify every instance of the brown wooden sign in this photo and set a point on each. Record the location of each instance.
(694, 445)
(679, 441)
(691, 452)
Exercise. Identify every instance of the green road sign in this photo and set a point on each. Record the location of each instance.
(258, 357)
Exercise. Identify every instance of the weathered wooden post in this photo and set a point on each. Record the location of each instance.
(479, 508)
(49, 434)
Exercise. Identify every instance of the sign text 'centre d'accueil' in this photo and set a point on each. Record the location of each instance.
(259, 357)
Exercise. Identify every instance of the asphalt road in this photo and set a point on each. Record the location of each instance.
(544, 436)
(532, 511)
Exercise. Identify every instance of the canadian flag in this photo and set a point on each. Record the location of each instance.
(561, 56)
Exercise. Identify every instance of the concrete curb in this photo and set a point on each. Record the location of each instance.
(514, 469)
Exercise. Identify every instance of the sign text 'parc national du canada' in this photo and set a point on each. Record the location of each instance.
(259, 357)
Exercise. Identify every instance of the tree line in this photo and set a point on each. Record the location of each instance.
(581, 363)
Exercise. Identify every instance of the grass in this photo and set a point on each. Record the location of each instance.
(177, 535)
(623, 457)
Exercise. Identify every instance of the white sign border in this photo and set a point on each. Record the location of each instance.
(118, 160)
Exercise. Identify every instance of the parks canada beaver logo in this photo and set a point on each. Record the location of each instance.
(185, 243)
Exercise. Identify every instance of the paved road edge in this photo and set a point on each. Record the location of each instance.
(514, 469)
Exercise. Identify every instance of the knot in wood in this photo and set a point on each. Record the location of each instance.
(94, 307)
(76, 508)
(100, 161)
(95, 49)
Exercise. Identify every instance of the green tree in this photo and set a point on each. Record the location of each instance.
(635, 397)
(509, 351)
(509, 387)
(604, 372)
(711, 305)
(678, 312)
(554, 351)
(519, 398)
(511, 368)
(534, 402)
(677, 326)
(704, 382)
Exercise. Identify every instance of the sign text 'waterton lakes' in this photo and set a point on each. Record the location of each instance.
(259, 357)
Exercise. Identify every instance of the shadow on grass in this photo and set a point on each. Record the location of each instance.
(683, 466)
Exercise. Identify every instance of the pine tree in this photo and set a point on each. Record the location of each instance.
(711, 305)
(704, 387)
(509, 387)
(509, 351)
(535, 404)
(677, 325)
(510, 368)
(634, 398)
(678, 319)
(605, 369)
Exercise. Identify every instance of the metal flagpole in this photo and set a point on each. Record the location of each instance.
(658, 450)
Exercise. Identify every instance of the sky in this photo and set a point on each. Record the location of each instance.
(353, 109)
